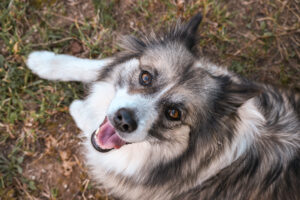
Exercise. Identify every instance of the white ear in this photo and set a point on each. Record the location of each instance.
(88, 114)
(76, 110)
(51, 66)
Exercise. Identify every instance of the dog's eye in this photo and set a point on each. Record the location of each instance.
(173, 114)
(145, 78)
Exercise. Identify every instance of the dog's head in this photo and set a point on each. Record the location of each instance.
(162, 94)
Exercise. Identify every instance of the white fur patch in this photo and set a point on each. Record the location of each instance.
(89, 113)
(51, 66)
(248, 128)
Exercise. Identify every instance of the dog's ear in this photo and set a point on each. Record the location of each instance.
(188, 32)
(239, 93)
(233, 94)
(132, 44)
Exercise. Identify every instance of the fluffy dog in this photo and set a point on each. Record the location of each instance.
(162, 123)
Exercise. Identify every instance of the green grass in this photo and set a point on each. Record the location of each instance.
(26, 99)
(105, 10)
(254, 40)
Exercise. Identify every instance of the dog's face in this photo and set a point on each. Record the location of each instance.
(161, 93)
(158, 93)
(158, 96)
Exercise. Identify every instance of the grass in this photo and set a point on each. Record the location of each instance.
(258, 39)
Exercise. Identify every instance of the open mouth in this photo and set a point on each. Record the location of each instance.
(105, 138)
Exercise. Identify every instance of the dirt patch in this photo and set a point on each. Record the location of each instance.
(57, 168)
(272, 30)
(50, 175)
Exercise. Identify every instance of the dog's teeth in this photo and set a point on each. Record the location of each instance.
(97, 131)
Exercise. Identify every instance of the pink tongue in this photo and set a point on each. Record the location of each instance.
(107, 137)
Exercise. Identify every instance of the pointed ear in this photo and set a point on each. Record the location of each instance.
(188, 31)
(239, 93)
(131, 43)
(235, 93)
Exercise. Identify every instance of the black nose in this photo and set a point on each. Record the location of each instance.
(124, 120)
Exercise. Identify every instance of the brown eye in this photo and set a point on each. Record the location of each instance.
(173, 114)
(145, 78)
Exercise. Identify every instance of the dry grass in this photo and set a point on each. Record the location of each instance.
(40, 155)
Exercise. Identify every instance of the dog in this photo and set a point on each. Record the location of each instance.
(161, 122)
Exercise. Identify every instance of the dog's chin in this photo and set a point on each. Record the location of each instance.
(106, 138)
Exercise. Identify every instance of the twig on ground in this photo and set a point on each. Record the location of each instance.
(53, 42)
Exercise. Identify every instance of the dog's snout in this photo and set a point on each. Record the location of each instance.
(124, 120)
